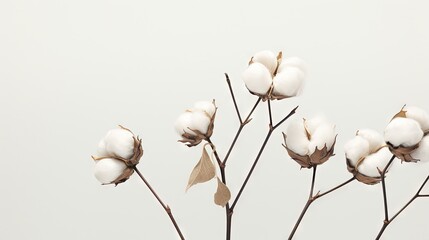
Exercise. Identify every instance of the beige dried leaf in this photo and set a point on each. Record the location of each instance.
(203, 171)
(222, 195)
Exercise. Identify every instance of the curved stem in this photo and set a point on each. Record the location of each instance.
(166, 207)
(233, 98)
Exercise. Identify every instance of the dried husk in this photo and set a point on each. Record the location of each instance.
(130, 163)
(361, 177)
(222, 195)
(403, 153)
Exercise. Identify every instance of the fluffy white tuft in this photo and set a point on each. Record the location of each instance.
(375, 139)
(108, 170)
(296, 137)
(418, 114)
(200, 121)
(117, 142)
(356, 148)
(267, 58)
(206, 106)
(257, 78)
(289, 82)
(323, 135)
(101, 151)
(376, 160)
(183, 122)
(422, 152)
(404, 132)
(293, 62)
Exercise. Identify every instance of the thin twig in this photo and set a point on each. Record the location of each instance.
(166, 207)
(307, 204)
(233, 98)
(261, 150)
(313, 198)
(239, 131)
(386, 208)
(417, 195)
(269, 113)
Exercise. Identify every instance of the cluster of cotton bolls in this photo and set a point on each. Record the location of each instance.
(118, 152)
(408, 134)
(272, 77)
(366, 155)
(197, 123)
(310, 142)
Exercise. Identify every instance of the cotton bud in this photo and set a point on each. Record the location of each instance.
(405, 132)
(366, 156)
(119, 152)
(310, 142)
(196, 124)
(271, 77)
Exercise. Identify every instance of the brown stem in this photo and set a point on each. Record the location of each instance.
(313, 198)
(239, 131)
(417, 195)
(228, 212)
(261, 150)
(307, 205)
(233, 98)
(166, 207)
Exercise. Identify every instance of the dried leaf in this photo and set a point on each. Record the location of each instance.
(203, 171)
(222, 195)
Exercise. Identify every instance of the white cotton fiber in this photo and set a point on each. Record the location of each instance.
(418, 114)
(356, 148)
(404, 132)
(376, 160)
(108, 170)
(119, 142)
(296, 137)
(183, 122)
(323, 135)
(267, 58)
(422, 152)
(206, 106)
(257, 78)
(200, 121)
(288, 83)
(374, 138)
(293, 62)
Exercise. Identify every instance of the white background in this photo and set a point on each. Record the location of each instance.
(72, 70)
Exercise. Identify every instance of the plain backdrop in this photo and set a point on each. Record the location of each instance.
(72, 70)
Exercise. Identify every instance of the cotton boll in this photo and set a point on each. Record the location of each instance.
(119, 142)
(323, 135)
(288, 83)
(257, 78)
(418, 114)
(404, 132)
(108, 170)
(200, 121)
(206, 106)
(422, 152)
(293, 62)
(374, 139)
(268, 59)
(356, 148)
(296, 138)
(183, 122)
(376, 160)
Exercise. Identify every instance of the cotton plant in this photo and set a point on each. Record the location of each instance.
(308, 142)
